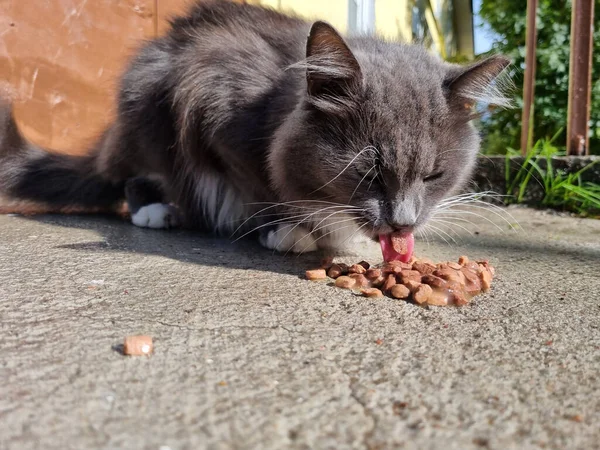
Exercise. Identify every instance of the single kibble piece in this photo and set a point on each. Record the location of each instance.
(434, 281)
(390, 281)
(360, 279)
(486, 280)
(463, 260)
(335, 271)
(423, 268)
(423, 293)
(399, 291)
(345, 282)
(357, 268)
(372, 293)
(378, 282)
(316, 274)
(410, 275)
(412, 285)
(137, 345)
(373, 274)
(365, 264)
(450, 275)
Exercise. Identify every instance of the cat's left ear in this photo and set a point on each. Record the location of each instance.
(332, 71)
(485, 81)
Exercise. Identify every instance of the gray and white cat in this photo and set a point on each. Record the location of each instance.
(242, 119)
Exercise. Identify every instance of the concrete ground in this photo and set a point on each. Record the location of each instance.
(248, 355)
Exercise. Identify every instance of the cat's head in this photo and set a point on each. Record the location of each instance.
(385, 128)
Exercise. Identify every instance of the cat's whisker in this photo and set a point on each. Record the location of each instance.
(458, 212)
(454, 218)
(489, 208)
(354, 233)
(321, 237)
(368, 148)
(311, 232)
(284, 220)
(445, 233)
(360, 182)
(439, 233)
(421, 235)
(287, 205)
(467, 197)
(299, 223)
(318, 226)
(451, 224)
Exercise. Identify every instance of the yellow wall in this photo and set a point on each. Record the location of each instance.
(393, 19)
(333, 11)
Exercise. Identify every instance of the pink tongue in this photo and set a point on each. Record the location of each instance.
(387, 248)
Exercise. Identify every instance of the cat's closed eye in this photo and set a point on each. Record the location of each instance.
(433, 177)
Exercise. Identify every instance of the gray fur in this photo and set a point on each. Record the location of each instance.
(246, 121)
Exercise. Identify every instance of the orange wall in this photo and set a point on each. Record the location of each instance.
(60, 61)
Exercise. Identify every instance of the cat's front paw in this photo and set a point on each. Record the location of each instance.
(288, 238)
(155, 215)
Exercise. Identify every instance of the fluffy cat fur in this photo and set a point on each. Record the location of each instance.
(242, 118)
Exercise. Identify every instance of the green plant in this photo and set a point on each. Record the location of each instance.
(507, 19)
(561, 189)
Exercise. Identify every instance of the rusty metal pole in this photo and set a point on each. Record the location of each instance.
(580, 77)
(529, 81)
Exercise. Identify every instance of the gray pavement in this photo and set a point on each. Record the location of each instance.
(248, 355)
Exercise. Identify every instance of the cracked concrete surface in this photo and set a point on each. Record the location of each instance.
(247, 355)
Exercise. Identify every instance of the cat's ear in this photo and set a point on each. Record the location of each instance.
(332, 71)
(485, 81)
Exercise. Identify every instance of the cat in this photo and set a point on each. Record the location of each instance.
(242, 119)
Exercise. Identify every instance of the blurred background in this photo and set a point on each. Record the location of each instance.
(60, 59)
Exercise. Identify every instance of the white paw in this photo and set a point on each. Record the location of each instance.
(289, 238)
(155, 215)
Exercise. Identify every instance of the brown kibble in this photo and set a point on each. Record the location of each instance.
(371, 293)
(434, 281)
(389, 282)
(137, 345)
(450, 275)
(373, 274)
(447, 283)
(391, 268)
(439, 297)
(335, 271)
(472, 284)
(400, 291)
(406, 275)
(412, 285)
(360, 280)
(486, 280)
(345, 282)
(474, 267)
(422, 294)
(316, 274)
(357, 268)
(378, 282)
(458, 297)
(423, 268)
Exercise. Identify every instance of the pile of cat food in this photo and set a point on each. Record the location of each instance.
(419, 280)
